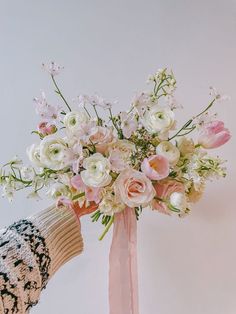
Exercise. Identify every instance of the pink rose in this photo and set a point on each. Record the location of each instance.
(134, 188)
(164, 190)
(213, 135)
(120, 152)
(92, 194)
(156, 167)
(101, 137)
(46, 128)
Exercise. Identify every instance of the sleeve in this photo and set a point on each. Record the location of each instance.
(31, 251)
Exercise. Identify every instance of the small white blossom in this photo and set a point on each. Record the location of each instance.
(218, 96)
(46, 111)
(141, 103)
(8, 190)
(172, 102)
(27, 173)
(94, 100)
(16, 161)
(110, 205)
(57, 190)
(52, 68)
(34, 195)
(87, 131)
(129, 123)
(204, 118)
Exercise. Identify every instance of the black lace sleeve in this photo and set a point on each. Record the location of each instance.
(31, 252)
(24, 266)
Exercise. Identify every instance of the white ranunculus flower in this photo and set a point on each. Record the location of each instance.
(97, 169)
(33, 153)
(58, 189)
(178, 200)
(158, 119)
(169, 151)
(74, 120)
(53, 152)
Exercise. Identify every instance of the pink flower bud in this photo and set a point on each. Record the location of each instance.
(156, 167)
(46, 129)
(213, 134)
(63, 201)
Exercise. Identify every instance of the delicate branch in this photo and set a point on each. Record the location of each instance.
(59, 92)
(189, 122)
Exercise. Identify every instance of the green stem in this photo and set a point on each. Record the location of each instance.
(60, 93)
(107, 228)
(183, 128)
(99, 119)
(119, 131)
(191, 120)
(187, 132)
(87, 111)
(207, 108)
(78, 196)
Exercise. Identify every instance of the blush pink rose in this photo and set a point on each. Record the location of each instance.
(46, 128)
(213, 135)
(134, 188)
(92, 194)
(156, 167)
(101, 137)
(164, 190)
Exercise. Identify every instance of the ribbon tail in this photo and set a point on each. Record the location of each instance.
(123, 275)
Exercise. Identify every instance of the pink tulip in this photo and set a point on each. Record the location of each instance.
(46, 129)
(213, 135)
(156, 167)
(91, 194)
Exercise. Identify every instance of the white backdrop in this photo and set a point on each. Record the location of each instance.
(110, 47)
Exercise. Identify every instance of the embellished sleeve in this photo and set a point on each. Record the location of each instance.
(31, 251)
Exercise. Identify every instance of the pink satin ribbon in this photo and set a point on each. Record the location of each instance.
(123, 276)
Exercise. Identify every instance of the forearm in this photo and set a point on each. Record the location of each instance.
(31, 251)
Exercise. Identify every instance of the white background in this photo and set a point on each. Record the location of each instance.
(110, 47)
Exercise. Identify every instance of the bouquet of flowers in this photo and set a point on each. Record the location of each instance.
(112, 165)
(132, 159)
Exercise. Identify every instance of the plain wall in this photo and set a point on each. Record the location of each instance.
(110, 47)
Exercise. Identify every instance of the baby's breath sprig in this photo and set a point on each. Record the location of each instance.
(164, 84)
